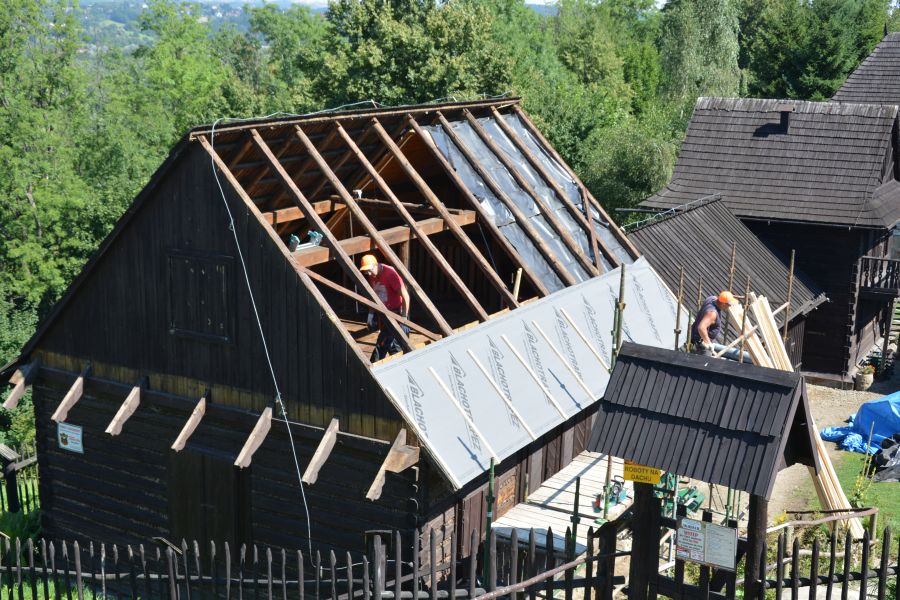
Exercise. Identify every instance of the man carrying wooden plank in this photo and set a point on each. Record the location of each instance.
(708, 326)
(392, 291)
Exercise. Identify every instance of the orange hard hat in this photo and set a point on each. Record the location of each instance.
(726, 297)
(368, 263)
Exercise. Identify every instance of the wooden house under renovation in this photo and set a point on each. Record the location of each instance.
(818, 178)
(160, 377)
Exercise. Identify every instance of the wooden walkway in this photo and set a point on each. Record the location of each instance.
(551, 505)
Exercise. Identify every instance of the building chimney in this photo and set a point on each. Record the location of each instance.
(785, 108)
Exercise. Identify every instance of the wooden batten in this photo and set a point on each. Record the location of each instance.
(72, 396)
(399, 458)
(257, 437)
(191, 425)
(125, 411)
(323, 451)
(21, 380)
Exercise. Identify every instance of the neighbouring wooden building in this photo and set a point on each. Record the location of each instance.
(817, 178)
(669, 242)
(158, 372)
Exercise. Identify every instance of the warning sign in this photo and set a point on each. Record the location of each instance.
(641, 474)
(706, 543)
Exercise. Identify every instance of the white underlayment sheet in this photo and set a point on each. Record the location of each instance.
(492, 389)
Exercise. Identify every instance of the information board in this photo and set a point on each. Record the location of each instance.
(641, 474)
(706, 543)
(69, 437)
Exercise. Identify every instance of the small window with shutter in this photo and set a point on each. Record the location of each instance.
(200, 296)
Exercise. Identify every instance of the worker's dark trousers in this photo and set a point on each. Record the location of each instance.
(387, 342)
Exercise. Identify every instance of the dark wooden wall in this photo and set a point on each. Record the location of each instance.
(837, 333)
(141, 309)
(132, 487)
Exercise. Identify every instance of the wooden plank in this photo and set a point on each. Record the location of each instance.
(344, 259)
(125, 411)
(564, 234)
(257, 437)
(15, 394)
(399, 458)
(380, 242)
(400, 234)
(521, 220)
(485, 219)
(456, 230)
(323, 451)
(286, 215)
(72, 396)
(21, 379)
(191, 425)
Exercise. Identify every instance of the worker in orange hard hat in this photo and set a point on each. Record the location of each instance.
(390, 288)
(708, 325)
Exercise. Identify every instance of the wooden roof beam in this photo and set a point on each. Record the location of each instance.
(585, 193)
(399, 458)
(586, 222)
(256, 438)
(344, 259)
(380, 243)
(283, 215)
(72, 396)
(484, 217)
(521, 220)
(467, 244)
(323, 451)
(371, 305)
(317, 255)
(564, 234)
(21, 380)
(432, 250)
(191, 424)
(126, 409)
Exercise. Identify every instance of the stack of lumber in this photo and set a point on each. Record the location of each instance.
(769, 351)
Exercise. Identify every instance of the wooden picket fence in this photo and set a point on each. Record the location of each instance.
(20, 482)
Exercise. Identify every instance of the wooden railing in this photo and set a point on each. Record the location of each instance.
(879, 274)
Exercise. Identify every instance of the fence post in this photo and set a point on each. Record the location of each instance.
(12, 488)
(754, 580)
(645, 545)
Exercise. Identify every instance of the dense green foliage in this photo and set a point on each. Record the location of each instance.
(611, 83)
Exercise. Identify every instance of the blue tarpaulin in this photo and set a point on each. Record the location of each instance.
(884, 413)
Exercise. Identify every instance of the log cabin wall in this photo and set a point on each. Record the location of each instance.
(129, 488)
(840, 332)
(169, 299)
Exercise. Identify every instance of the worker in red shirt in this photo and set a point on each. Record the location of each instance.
(390, 288)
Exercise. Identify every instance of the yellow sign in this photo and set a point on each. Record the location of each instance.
(641, 474)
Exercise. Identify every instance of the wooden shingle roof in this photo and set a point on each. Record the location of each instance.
(711, 419)
(877, 79)
(814, 162)
(699, 237)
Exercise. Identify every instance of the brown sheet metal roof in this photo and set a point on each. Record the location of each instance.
(816, 162)
(877, 79)
(710, 419)
(698, 237)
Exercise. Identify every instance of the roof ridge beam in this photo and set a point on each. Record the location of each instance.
(344, 259)
(564, 234)
(380, 242)
(521, 220)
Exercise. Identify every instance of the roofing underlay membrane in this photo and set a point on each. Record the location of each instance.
(489, 391)
(502, 216)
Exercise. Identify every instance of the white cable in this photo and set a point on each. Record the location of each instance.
(262, 335)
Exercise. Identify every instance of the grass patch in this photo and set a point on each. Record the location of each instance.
(885, 495)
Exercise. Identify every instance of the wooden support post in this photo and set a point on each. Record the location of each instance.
(467, 244)
(257, 437)
(72, 396)
(373, 232)
(645, 541)
(521, 219)
(484, 218)
(587, 196)
(564, 234)
(678, 309)
(399, 458)
(754, 577)
(191, 424)
(323, 451)
(344, 259)
(21, 380)
(787, 315)
(126, 410)
(584, 218)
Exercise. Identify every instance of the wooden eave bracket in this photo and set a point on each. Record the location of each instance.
(257, 437)
(72, 396)
(21, 380)
(323, 451)
(127, 409)
(399, 458)
(191, 424)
